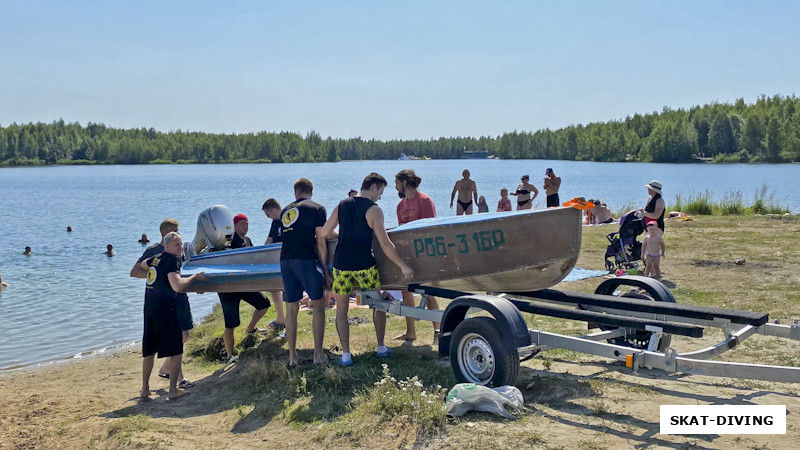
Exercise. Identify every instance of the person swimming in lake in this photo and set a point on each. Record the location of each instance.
(109, 250)
(69, 229)
(523, 194)
(144, 240)
(27, 251)
(3, 284)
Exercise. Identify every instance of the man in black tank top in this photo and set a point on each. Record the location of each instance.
(354, 265)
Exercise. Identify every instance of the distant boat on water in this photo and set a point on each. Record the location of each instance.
(478, 154)
(402, 157)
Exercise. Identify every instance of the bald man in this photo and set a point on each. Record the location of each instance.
(467, 194)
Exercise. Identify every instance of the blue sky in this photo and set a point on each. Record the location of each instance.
(386, 70)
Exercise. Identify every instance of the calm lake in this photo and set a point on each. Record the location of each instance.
(70, 300)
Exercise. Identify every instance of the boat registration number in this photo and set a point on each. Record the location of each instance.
(480, 241)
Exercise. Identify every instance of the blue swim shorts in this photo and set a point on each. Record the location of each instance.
(302, 275)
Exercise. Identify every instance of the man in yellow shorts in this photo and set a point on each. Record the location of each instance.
(354, 265)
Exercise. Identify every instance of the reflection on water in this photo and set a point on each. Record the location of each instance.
(69, 299)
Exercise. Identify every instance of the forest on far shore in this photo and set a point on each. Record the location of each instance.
(765, 131)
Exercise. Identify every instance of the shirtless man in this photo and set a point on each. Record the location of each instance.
(523, 194)
(3, 284)
(600, 213)
(551, 184)
(414, 205)
(467, 193)
(354, 267)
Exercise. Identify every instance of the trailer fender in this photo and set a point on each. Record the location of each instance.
(654, 288)
(509, 319)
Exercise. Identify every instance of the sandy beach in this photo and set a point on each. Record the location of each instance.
(573, 400)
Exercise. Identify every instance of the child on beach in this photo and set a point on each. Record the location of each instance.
(505, 203)
(482, 206)
(653, 250)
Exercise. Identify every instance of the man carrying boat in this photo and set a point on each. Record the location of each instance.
(182, 307)
(162, 330)
(467, 194)
(303, 258)
(354, 265)
(230, 300)
(414, 205)
(272, 209)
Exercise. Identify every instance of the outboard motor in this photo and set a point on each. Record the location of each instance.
(214, 231)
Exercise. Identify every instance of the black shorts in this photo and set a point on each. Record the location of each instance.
(230, 305)
(301, 275)
(162, 333)
(552, 200)
(184, 312)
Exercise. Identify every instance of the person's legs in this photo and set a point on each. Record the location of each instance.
(227, 339)
(277, 300)
(657, 268)
(411, 327)
(434, 305)
(291, 331)
(147, 370)
(174, 367)
(648, 271)
(257, 315)
(342, 324)
(379, 319)
(318, 327)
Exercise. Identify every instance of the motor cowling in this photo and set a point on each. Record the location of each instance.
(214, 231)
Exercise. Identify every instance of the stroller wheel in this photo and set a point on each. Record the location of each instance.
(609, 265)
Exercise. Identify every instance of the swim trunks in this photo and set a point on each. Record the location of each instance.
(301, 275)
(464, 205)
(230, 305)
(552, 200)
(162, 333)
(184, 312)
(345, 281)
(652, 256)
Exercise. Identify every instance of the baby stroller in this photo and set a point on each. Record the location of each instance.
(623, 249)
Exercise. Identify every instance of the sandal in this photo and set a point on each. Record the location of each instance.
(185, 384)
(163, 375)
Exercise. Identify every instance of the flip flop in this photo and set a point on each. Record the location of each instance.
(185, 384)
(384, 354)
(404, 337)
(344, 363)
(163, 375)
(181, 394)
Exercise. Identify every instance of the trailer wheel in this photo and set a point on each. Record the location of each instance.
(479, 354)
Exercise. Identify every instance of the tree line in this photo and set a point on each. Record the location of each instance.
(767, 130)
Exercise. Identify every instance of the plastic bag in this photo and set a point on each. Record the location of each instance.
(503, 401)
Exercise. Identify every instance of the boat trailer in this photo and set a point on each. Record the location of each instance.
(636, 327)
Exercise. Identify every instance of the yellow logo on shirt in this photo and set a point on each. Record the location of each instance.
(151, 276)
(289, 217)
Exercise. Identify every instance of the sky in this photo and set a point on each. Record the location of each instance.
(386, 69)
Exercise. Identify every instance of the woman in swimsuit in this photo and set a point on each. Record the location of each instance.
(523, 193)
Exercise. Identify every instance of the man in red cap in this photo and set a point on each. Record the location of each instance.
(230, 301)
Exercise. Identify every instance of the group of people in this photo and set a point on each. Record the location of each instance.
(303, 228)
(465, 193)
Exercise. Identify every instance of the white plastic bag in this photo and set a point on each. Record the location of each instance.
(503, 401)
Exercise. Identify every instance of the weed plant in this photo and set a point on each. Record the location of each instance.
(406, 400)
(732, 204)
(699, 204)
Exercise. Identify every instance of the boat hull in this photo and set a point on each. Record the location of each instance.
(491, 252)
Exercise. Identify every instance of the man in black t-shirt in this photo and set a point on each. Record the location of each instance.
(230, 300)
(162, 332)
(302, 262)
(272, 209)
(183, 309)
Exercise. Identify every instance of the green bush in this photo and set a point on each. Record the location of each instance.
(408, 400)
(764, 202)
(699, 204)
(732, 204)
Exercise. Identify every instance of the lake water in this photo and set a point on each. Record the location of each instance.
(68, 299)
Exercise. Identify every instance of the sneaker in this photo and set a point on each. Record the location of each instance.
(232, 359)
(345, 364)
(258, 330)
(384, 354)
(282, 335)
(276, 325)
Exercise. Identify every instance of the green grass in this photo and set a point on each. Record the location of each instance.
(732, 204)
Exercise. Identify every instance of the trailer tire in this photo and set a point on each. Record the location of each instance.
(479, 354)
